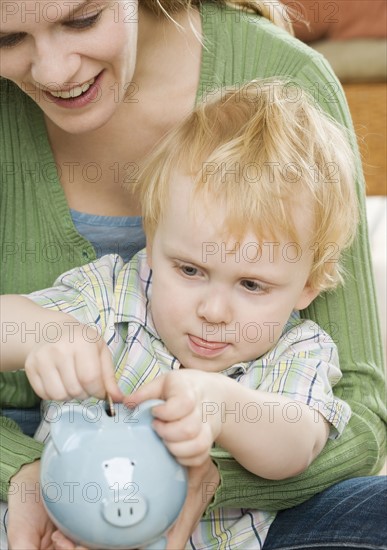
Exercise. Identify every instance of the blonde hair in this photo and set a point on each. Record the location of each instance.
(270, 9)
(259, 150)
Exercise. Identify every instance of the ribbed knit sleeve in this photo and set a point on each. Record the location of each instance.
(240, 48)
(38, 238)
(16, 450)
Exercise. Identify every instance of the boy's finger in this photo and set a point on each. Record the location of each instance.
(108, 375)
(53, 384)
(89, 369)
(175, 408)
(71, 382)
(152, 390)
(166, 387)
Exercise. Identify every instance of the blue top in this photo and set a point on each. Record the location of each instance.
(107, 233)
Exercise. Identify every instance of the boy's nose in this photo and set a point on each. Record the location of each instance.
(215, 308)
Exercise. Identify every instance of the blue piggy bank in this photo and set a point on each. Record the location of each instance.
(108, 482)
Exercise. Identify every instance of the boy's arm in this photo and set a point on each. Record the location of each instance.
(273, 436)
(24, 326)
(63, 366)
(270, 435)
(58, 334)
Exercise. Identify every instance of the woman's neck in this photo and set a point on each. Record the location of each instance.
(166, 79)
(169, 51)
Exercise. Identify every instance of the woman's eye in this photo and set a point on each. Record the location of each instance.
(10, 40)
(84, 22)
(253, 286)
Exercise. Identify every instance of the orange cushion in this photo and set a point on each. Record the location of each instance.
(338, 19)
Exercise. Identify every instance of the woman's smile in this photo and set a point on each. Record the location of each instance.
(77, 96)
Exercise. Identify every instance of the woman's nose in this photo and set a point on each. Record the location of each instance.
(53, 63)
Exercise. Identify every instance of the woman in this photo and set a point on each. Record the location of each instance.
(88, 89)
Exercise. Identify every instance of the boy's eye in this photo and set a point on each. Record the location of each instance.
(253, 286)
(10, 40)
(189, 270)
(84, 22)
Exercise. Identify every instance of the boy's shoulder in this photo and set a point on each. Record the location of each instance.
(105, 291)
(302, 338)
(106, 271)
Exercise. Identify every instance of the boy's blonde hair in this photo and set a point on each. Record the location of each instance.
(260, 150)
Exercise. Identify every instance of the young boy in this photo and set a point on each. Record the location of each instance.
(247, 207)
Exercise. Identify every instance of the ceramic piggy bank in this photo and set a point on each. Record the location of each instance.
(108, 481)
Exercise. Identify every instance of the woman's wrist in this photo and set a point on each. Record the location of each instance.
(28, 475)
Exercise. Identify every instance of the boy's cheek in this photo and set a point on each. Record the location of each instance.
(149, 254)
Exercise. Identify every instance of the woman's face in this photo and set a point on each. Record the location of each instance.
(74, 58)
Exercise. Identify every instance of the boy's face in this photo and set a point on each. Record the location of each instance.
(216, 303)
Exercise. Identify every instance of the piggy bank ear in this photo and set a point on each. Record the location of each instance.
(69, 422)
(144, 412)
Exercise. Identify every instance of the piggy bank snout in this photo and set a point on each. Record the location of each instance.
(124, 512)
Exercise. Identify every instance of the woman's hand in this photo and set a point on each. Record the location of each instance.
(181, 422)
(28, 523)
(60, 542)
(203, 482)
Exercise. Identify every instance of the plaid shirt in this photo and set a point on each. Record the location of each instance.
(303, 365)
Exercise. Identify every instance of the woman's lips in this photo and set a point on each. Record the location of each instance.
(204, 347)
(78, 96)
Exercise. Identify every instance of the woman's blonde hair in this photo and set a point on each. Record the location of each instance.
(271, 9)
(264, 151)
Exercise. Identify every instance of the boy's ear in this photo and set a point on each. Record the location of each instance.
(307, 296)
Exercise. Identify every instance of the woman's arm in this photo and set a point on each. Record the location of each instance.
(17, 449)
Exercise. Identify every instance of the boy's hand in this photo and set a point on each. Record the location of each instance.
(76, 367)
(179, 422)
